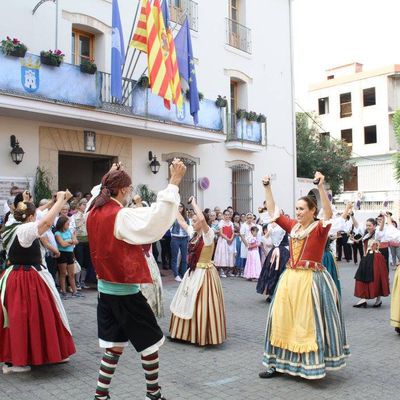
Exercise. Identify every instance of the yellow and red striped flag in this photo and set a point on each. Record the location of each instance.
(156, 48)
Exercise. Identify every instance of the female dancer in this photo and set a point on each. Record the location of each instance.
(198, 311)
(34, 328)
(305, 333)
(275, 262)
(372, 277)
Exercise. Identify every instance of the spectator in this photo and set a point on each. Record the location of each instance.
(224, 257)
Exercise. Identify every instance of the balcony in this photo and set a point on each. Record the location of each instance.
(66, 95)
(345, 110)
(245, 135)
(238, 36)
(180, 9)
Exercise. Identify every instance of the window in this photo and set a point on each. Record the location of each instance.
(82, 46)
(345, 105)
(351, 183)
(234, 96)
(242, 188)
(188, 186)
(370, 134)
(329, 77)
(347, 136)
(323, 106)
(233, 10)
(180, 9)
(369, 97)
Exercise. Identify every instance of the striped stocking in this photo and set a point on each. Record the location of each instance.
(150, 366)
(107, 368)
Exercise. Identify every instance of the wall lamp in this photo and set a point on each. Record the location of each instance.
(17, 152)
(154, 164)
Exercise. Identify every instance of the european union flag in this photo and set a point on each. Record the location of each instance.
(184, 54)
(117, 53)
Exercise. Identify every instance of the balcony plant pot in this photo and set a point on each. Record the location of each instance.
(47, 60)
(221, 102)
(18, 52)
(88, 68)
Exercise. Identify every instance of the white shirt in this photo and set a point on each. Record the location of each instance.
(208, 237)
(27, 233)
(389, 234)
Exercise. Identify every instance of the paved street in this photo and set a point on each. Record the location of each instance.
(229, 371)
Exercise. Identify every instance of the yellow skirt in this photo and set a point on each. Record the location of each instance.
(208, 324)
(395, 302)
(293, 320)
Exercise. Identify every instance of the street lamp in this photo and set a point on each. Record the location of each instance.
(154, 164)
(17, 152)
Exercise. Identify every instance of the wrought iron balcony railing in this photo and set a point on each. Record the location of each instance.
(241, 130)
(179, 9)
(238, 35)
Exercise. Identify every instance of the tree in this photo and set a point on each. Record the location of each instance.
(316, 152)
(145, 193)
(42, 189)
(396, 125)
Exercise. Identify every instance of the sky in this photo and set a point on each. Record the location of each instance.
(329, 33)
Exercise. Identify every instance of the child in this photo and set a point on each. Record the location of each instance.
(66, 262)
(266, 243)
(253, 262)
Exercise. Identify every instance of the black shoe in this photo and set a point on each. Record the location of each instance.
(397, 330)
(269, 299)
(269, 373)
(152, 397)
(361, 305)
(377, 305)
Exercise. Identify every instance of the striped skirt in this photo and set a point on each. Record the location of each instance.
(395, 303)
(208, 324)
(330, 335)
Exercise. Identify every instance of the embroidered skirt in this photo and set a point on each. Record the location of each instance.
(395, 303)
(330, 333)
(329, 263)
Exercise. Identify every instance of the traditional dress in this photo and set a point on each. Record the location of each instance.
(372, 277)
(329, 262)
(305, 334)
(224, 255)
(34, 328)
(276, 261)
(198, 310)
(252, 269)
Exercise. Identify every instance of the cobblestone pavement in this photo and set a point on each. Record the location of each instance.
(226, 372)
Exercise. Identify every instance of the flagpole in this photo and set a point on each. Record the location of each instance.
(130, 36)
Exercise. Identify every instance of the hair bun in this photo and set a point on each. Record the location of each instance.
(21, 206)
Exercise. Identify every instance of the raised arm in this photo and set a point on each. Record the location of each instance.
(269, 198)
(199, 214)
(47, 221)
(326, 204)
(182, 221)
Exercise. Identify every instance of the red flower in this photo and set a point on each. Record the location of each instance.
(8, 38)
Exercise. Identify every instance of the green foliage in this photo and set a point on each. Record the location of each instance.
(241, 113)
(42, 189)
(145, 193)
(396, 158)
(261, 118)
(314, 153)
(221, 102)
(144, 82)
(251, 116)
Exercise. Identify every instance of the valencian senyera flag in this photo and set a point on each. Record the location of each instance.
(117, 53)
(184, 53)
(151, 37)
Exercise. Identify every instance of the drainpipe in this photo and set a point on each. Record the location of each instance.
(293, 112)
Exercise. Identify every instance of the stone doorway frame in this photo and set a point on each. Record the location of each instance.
(53, 140)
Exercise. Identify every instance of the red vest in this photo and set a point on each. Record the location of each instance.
(114, 260)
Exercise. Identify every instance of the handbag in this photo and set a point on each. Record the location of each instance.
(78, 267)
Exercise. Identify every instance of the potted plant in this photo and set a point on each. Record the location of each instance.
(251, 116)
(13, 47)
(53, 58)
(261, 118)
(144, 82)
(221, 102)
(201, 95)
(88, 67)
(241, 113)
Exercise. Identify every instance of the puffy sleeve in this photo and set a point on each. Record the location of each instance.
(390, 233)
(337, 224)
(145, 225)
(27, 233)
(285, 222)
(208, 237)
(94, 192)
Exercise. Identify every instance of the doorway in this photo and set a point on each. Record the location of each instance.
(80, 172)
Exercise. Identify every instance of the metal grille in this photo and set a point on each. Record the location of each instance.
(127, 86)
(238, 35)
(234, 135)
(242, 188)
(182, 8)
(188, 185)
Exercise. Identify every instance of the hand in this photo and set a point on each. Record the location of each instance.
(178, 170)
(320, 178)
(192, 201)
(26, 196)
(116, 166)
(56, 254)
(266, 180)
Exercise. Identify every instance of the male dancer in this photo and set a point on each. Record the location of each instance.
(115, 237)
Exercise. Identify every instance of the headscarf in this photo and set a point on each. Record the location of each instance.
(111, 183)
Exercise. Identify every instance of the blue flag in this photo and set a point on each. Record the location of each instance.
(165, 13)
(117, 53)
(184, 54)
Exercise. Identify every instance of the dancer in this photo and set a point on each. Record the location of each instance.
(372, 276)
(275, 262)
(252, 269)
(305, 333)
(34, 328)
(198, 311)
(116, 235)
(224, 256)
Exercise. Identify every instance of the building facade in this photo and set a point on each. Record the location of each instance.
(357, 106)
(67, 122)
